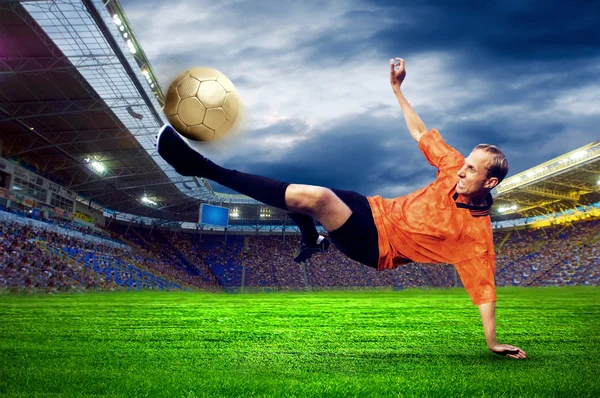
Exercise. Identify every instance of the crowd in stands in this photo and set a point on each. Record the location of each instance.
(269, 262)
(97, 231)
(174, 252)
(37, 257)
(26, 262)
(559, 255)
(33, 257)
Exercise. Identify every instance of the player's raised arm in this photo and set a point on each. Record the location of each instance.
(413, 121)
(488, 317)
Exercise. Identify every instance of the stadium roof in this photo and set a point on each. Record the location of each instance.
(76, 91)
(564, 183)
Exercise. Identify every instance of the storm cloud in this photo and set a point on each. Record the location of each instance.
(313, 79)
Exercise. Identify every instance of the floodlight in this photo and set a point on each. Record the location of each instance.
(97, 167)
(149, 201)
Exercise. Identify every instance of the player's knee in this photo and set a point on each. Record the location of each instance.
(322, 203)
(307, 198)
(323, 199)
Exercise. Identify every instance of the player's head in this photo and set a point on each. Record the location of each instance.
(484, 168)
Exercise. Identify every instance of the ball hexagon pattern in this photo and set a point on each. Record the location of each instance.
(191, 111)
(202, 104)
(188, 87)
(215, 117)
(211, 94)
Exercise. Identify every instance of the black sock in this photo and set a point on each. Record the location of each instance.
(263, 189)
(307, 227)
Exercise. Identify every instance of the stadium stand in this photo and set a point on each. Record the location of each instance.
(40, 256)
(558, 255)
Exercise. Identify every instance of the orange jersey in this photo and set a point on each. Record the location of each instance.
(434, 225)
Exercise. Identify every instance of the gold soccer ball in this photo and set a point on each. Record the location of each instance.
(202, 104)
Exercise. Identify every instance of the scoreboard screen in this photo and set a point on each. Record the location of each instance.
(214, 215)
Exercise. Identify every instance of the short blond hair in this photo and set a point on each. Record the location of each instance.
(497, 165)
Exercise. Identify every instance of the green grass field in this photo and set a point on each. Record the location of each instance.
(326, 344)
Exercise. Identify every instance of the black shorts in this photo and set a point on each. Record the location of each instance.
(357, 238)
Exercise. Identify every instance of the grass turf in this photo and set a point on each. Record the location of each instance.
(326, 344)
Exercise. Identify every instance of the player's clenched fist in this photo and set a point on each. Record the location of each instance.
(397, 72)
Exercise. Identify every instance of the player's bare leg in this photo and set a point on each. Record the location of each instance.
(318, 202)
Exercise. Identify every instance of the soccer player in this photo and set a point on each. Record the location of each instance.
(446, 222)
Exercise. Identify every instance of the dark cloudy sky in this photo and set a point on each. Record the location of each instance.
(314, 81)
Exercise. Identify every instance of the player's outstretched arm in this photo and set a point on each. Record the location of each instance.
(488, 317)
(414, 123)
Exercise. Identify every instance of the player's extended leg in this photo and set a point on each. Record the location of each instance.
(318, 202)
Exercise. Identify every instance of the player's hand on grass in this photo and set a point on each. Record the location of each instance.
(397, 75)
(509, 351)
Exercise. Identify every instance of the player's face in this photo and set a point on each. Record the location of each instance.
(473, 182)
